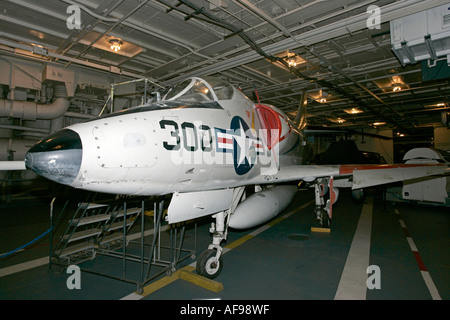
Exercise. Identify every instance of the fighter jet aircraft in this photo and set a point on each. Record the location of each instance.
(204, 142)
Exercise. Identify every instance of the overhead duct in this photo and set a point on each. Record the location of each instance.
(27, 110)
(422, 36)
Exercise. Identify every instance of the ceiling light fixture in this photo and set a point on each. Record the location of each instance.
(323, 96)
(436, 105)
(292, 63)
(336, 120)
(353, 111)
(116, 44)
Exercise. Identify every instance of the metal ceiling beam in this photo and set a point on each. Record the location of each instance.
(30, 49)
(341, 72)
(327, 32)
(115, 25)
(69, 43)
(259, 41)
(254, 9)
(105, 18)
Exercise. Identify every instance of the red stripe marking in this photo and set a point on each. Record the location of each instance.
(406, 232)
(225, 140)
(419, 261)
(349, 168)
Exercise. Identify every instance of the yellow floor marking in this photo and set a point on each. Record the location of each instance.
(200, 281)
(239, 241)
(327, 230)
(154, 286)
(274, 222)
(186, 272)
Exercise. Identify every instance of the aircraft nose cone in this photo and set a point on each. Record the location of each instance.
(57, 157)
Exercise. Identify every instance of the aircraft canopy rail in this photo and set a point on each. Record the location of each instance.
(200, 90)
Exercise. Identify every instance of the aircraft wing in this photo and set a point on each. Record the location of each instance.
(12, 165)
(359, 176)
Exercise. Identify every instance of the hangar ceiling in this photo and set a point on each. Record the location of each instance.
(279, 47)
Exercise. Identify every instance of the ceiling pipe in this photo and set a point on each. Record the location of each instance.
(27, 110)
(260, 13)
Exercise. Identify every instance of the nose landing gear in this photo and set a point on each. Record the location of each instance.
(210, 262)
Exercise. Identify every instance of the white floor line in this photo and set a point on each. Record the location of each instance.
(352, 285)
(44, 260)
(423, 270)
(23, 266)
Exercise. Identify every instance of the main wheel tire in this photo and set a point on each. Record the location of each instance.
(207, 265)
(325, 221)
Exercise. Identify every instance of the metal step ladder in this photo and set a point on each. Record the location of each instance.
(102, 229)
(120, 222)
(93, 227)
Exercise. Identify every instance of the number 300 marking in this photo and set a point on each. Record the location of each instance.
(188, 129)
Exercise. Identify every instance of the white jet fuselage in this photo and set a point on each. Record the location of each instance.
(174, 146)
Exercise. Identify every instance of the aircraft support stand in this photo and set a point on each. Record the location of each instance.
(112, 240)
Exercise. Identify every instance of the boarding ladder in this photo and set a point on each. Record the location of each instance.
(93, 227)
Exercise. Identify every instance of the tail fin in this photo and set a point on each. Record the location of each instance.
(300, 119)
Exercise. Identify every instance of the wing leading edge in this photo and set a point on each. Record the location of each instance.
(358, 176)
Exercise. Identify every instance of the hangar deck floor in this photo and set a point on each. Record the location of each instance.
(283, 260)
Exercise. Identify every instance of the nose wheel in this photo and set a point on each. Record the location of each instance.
(323, 218)
(208, 265)
(325, 197)
(210, 262)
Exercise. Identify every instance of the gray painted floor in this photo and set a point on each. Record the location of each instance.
(286, 261)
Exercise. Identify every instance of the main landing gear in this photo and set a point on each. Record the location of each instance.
(325, 196)
(210, 262)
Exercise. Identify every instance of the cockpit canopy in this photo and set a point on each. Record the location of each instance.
(201, 90)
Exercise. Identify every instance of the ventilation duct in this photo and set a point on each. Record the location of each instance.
(26, 110)
(422, 36)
